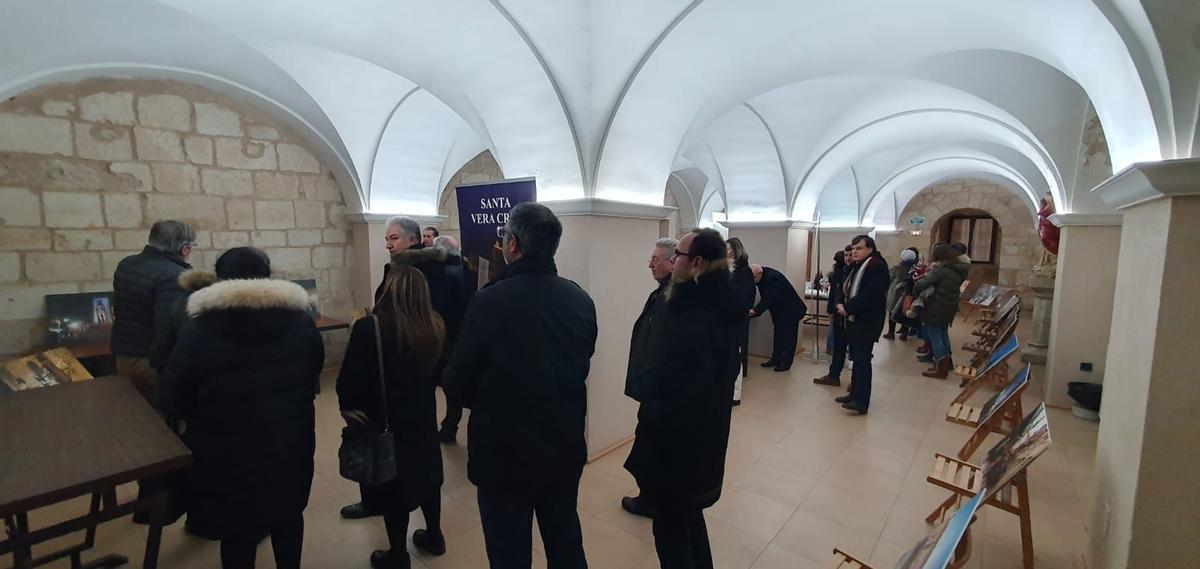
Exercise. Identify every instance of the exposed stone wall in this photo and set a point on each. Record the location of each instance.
(86, 168)
(1095, 163)
(1018, 248)
(482, 168)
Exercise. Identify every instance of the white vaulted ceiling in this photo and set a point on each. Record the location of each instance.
(778, 109)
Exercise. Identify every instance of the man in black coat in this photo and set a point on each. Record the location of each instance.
(787, 309)
(863, 303)
(521, 366)
(458, 291)
(145, 287)
(649, 331)
(678, 455)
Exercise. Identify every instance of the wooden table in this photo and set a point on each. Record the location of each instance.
(103, 348)
(66, 441)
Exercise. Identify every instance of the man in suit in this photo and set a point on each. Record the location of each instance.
(863, 305)
(521, 366)
(787, 309)
(649, 331)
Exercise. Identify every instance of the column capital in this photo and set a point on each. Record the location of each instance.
(1085, 219)
(364, 217)
(1147, 181)
(609, 208)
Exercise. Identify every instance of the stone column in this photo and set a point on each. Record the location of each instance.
(1146, 509)
(1043, 303)
(1083, 300)
(605, 248)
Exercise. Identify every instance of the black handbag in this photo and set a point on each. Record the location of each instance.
(365, 456)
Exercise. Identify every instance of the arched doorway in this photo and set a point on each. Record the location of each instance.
(981, 233)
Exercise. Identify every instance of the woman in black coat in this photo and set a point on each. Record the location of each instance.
(242, 375)
(743, 290)
(411, 336)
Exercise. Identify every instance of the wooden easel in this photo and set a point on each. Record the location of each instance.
(962, 554)
(996, 370)
(1006, 460)
(1001, 415)
(965, 480)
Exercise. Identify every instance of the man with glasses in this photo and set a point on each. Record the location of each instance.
(648, 332)
(521, 366)
(678, 455)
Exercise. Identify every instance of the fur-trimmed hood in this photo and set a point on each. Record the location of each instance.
(193, 280)
(418, 256)
(247, 294)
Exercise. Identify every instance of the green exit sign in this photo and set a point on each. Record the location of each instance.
(916, 221)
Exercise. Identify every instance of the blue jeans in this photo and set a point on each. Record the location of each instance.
(939, 338)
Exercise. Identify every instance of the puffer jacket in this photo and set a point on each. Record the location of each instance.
(941, 304)
(144, 289)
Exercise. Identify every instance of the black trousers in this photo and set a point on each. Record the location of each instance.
(681, 538)
(838, 362)
(786, 334)
(743, 339)
(454, 413)
(860, 377)
(508, 526)
(287, 541)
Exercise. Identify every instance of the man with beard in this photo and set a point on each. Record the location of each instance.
(648, 333)
(678, 456)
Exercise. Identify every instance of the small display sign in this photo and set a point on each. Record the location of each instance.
(916, 220)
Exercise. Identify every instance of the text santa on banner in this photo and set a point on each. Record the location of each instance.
(482, 212)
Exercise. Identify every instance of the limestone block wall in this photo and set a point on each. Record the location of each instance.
(1019, 247)
(482, 168)
(86, 168)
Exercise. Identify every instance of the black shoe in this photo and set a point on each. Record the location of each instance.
(357, 512)
(428, 542)
(737, 402)
(387, 560)
(843, 399)
(927, 358)
(636, 506)
(769, 363)
(448, 437)
(854, 406)
(782, 368)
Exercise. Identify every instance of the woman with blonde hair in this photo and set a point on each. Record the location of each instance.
(411, 337)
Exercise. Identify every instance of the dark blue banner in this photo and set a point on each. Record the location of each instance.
(482, 211)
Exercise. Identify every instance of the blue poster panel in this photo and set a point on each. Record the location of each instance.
(482, 212)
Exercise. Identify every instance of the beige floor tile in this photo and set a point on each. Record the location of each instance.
(608, 547)
(887, 553)
(599, 490)
(862, 511)
(814, 537)
(775, 557)
(751, 512)
(636, 526)
(733, 548)
(802, 463)
(774, 483)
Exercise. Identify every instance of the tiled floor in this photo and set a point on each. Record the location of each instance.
(802, 476)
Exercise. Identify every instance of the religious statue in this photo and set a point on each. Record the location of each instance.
(1047, 265)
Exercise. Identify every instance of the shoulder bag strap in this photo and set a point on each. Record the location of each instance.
(379, 361)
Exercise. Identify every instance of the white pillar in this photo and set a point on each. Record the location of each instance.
(1147, 508)
(605, 248)
(1082, 311)
(1043, 301)
(767, 245)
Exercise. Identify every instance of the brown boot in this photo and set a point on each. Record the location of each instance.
(941, 369)
(925, 348)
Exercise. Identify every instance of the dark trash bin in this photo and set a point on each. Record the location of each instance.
(1085, 399)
